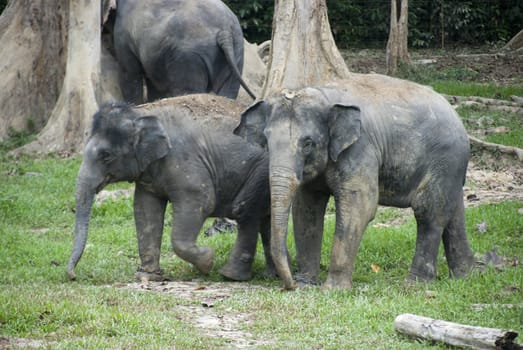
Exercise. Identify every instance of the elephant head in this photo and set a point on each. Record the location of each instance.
(121, 146)
(303, 132)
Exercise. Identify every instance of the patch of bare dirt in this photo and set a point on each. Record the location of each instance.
(21, 343)
(485, 65)
(486, 185)
(200, 311)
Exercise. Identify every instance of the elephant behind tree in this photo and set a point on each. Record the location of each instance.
(177, 47)
(179, 150)
(366, 141)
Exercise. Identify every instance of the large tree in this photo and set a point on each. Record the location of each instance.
(303, 51)
(33, 37)
(397, 45)
(81, 86)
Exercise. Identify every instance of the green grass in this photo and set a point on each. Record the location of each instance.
(38, 302)
(480, 120)
(459, 81)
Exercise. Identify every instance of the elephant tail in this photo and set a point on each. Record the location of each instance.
(224, 40)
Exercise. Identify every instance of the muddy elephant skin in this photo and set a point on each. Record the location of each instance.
(366, 141)
(201, 169)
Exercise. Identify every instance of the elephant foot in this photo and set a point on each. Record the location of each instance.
(205, 260)
(144, 276)
(418, 277)
(238, 269)
(462, 269)
(337, 282)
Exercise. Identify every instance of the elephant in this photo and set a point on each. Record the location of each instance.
(199, 167)
(369, 140)
(177, 47)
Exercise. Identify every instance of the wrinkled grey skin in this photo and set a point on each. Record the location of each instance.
(368, 141)
(201, 170)
(179, 47)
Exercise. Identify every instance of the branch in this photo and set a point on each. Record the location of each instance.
(494, 147)
(514, 106)
(455, 334)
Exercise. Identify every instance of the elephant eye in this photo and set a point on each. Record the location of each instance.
(307, 146)
(105, 156)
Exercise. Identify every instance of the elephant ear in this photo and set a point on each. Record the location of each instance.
(152, 142)
(252, 123)
(344, 128)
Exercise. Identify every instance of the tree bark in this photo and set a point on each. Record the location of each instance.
(494, 147)
(455, 334)
(516, 43)
(67, 128)
(397, 45)
(33, 37)
(303, 51)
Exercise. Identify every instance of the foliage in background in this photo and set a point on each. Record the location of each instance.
(255, 18)
(364, 23)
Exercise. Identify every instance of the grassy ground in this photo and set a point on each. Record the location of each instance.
(39, 304)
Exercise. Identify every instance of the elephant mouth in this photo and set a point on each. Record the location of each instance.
(107, 180)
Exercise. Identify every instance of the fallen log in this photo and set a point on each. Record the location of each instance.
(516, 102)
(495, 108)
(456, 334)
(494, 147)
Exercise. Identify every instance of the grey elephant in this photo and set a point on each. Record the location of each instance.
(171, 157)
(177, 47)
(366, 141)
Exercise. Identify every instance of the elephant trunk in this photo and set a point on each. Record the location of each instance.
(283, 188)
(86, 188)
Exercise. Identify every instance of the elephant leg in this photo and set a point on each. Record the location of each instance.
(187, 222)
(355, 208)
(308, 213)
(153, 93)
(428, 238)
(239, 266)
(188, 75)
(460, 257)
(226, 84)
(265, 232)
(131, 75)
(149, 212)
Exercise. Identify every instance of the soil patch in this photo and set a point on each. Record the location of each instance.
(200, 310)
(484, 66)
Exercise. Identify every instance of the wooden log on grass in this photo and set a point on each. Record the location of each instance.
(494, 147)
(455, 334)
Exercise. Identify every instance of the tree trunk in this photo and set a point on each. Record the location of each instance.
(516, 43)
(33, 37)
(67, 128)
(303, 51)
(397, 45)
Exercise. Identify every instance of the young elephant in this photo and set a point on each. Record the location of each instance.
(367, 141)
(200, 169)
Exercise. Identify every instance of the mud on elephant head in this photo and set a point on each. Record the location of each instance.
(366, 141)
(175, 48)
